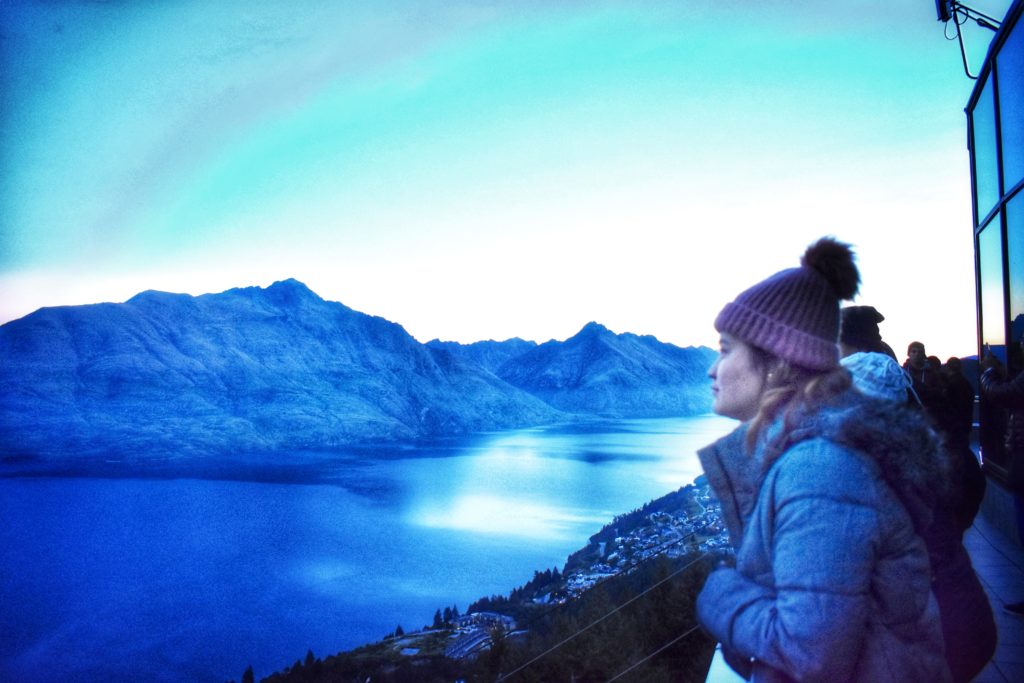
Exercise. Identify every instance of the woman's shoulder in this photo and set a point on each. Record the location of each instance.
(856, 434)
(821, 465)
(857, 446)
(880, 428)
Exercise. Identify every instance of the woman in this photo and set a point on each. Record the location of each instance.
(824, 492)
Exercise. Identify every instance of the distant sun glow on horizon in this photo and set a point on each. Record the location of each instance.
(489, 170)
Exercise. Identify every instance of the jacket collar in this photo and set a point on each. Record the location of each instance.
(734, 476)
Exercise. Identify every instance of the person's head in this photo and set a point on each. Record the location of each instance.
(916, 355)
(933, 362)
(858, 330)
(878, 375)
(954, 364)
(778, 336)
(739, 377)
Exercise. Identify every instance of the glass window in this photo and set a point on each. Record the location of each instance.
(983, 128)
(992, 436)
(1010, 65)
(1015, 262)
(990, 262)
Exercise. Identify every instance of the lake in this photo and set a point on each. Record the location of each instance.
(189, 579)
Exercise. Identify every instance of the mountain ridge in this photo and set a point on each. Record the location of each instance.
(252, 370)
(614, 375)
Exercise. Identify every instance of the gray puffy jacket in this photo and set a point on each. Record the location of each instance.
(832, 580)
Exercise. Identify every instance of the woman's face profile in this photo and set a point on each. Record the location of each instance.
(737, 380)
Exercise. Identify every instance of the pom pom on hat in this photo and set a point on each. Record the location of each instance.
(834, 260)
(794, 314)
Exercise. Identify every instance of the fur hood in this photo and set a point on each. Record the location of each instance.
(897, 437)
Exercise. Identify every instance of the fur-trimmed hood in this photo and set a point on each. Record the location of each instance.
(897, 437)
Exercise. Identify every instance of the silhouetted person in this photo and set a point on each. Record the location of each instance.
(960, 402)
(925, 381)
(967, 475)
(859, 331)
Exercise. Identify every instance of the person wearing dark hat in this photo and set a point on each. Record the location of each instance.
(824, 492)
(960, 395)
(858, 331)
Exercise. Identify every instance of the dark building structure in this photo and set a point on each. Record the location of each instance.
(995, 129)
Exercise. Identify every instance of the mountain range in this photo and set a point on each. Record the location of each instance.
(261, 370)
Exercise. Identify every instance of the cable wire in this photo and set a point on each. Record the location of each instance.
(655, 555)
(653, 654)
(960, 39)
(597, 621)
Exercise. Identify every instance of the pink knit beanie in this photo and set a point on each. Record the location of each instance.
(794, 314)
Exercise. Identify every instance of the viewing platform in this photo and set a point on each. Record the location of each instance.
(999, 563)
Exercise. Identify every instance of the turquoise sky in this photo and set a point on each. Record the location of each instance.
(479, 170)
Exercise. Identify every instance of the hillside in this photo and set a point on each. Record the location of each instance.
(489, 354)
(677, 536)
(247, 370)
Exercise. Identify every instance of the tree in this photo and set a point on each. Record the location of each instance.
(497, 653)
(437, 620)
(248, 676)
(398, 631)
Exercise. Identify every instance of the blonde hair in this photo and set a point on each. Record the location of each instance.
(792, 392)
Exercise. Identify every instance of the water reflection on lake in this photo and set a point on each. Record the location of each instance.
(556, 484)
(134, 579)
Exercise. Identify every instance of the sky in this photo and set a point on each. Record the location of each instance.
(488, 170)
